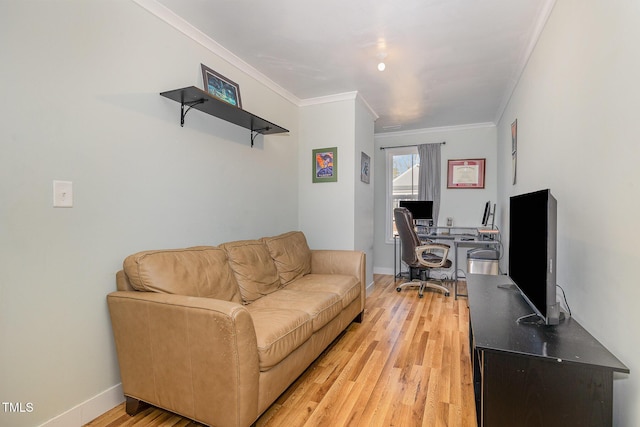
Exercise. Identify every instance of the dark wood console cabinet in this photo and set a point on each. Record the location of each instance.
(530, 375)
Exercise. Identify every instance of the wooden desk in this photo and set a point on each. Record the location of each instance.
(533, 375)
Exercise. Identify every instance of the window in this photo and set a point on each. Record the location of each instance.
(403, 167)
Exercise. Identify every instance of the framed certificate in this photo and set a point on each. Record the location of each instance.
(465, 173)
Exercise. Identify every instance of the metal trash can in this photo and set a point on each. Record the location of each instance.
(483, 261)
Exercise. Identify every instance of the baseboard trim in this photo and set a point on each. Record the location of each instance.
(383, 270)
(88, 410)
(369, 289)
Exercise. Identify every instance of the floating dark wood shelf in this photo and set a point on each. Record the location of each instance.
(192, 97)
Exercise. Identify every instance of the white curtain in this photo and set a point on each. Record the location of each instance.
(429, 177)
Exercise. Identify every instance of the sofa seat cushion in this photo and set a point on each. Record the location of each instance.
(321, 307)
(253, 268)
(279, 331)
(347, 287)
(199, 272)
(291, 255)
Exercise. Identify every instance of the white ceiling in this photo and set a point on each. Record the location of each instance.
(448, 62)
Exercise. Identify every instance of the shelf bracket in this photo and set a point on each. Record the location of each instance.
(255, 132)
(190, 104)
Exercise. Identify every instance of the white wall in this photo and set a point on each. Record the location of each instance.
(80, 83)
(337, 215)
(465, 206)
(364, 193)
(577, 104)
(327, 209)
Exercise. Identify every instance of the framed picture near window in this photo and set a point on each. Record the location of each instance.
(365, 167)
(325, 164)
(465, 173)
(221, 87)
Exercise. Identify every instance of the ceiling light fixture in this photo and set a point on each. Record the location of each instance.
(381, 65)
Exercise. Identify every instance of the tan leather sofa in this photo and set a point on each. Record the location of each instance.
(216, 334)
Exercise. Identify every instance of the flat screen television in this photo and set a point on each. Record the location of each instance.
(420, 209)
(532, 251)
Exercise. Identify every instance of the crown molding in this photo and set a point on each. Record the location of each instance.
(434, 130)
(168, 16)
(338, 97)
(368, 107)
(346, 96)
(543, 17)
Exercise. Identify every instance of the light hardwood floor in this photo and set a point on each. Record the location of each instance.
(407, 364)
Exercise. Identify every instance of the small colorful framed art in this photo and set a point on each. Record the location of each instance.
(325, 164)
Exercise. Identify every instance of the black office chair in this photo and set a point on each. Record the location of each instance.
(419, 257)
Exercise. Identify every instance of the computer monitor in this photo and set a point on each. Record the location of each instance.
(420, 209)
(488, 213)
(485, 215)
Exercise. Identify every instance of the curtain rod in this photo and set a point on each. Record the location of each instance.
(411, 145)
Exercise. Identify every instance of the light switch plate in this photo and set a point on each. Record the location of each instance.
(62, 194)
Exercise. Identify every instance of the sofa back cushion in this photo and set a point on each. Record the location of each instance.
(253, 267)
(291, 255)
(202, 272)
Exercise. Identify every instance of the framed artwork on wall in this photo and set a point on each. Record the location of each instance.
(325, 164)
(217, 85)
(365, 167)
(514, 150)
(465, 173)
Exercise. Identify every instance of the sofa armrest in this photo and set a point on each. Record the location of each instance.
(347, 262)
(195, 356)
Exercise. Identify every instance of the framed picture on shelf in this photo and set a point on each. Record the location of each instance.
(365, 167)
(465, 173)
(217, 85)
(325, 164)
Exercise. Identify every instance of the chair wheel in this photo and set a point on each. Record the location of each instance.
(398, 289)
(420, 295)
(447, 294)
